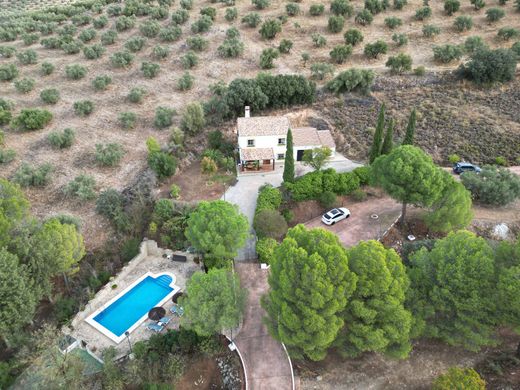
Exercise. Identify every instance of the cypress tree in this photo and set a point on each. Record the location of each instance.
(375, 150)
(410, 129)
(288, 169)
(388, 142)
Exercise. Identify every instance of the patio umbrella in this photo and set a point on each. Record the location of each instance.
(176, 296)
(156, 313)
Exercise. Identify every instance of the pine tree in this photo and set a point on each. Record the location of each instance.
(388, 143)
(375, 150)
(410, 129)
(288, 169)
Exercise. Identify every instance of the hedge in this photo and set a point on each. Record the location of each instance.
(312, 185)
(269, 198)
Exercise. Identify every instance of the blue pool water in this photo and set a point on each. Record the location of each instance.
(128, 309)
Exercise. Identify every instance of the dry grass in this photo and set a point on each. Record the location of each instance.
(102, 126)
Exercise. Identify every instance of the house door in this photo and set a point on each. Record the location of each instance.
(299, 155)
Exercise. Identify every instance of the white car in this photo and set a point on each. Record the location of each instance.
(335, 215)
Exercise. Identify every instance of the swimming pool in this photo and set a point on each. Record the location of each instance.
(130, 308)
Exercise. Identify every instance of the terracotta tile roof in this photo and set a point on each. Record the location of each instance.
(326, 138)
(262, 126)
(305, 136)
(247, 154)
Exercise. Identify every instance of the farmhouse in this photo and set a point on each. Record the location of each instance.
(262, 140)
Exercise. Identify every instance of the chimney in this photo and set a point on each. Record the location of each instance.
(247, 113)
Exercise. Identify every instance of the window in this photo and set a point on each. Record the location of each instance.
(280, 156)
(281, 141)
(250, 142)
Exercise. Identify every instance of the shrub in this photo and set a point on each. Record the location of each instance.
(352, 80)
(87, 35)
(61, 140)
(185, 82)
(149, 69)
(506, 33)
(71, 47)
(459, 378)
(495, 14)
(75, 72)
(270, 28)
(463, 23)
(127, 120)
(501, 161)
(312, 185)
(474, 44)
(50, 95)
(318, 40)
(203, 24)
(197, 43)
(231, 48)
(81, 187)
(101, 83)
(373, 50)
(100, 22)
(150, 28)
(393, 22)
(251, 20)
(447, 53)
(341, 7)
(400, 39)
(429, 30)
(231, 14)
(114, 10)
(27, 57)
(108, 37)
(261, 4)
(175, 191)
(193, 120)
(109, 155)
(265, 249)
(7, 51)
(516, 49)
(5, 118)
(327, 199)
(93, 52)
(135, 44)
(320, 70)
(423, 13)
(336, 23)
(124, 23)
(316, 9)
(292, 9)
(31, 119)
(478, 4)
(400, 63)
(285, 46)
(267, 57)
(163, 164)
(364, 174)
(451, 6)
(27, 175)
(270, 224)
(399, 4)
(159, 13)
(353, 37)
(170, 34)
(121, 59)
(83, 107)
(160, 52)
(7, 155)
(493, 185)
(24, 85)
(376, 6)
(341, 53)
(164, 117)
(491, 66)
(210, 12)
(189, 60)
(81, 19)
(453, 159)
(419, 71)
(180, 16)
(30, 38)
(364, 17)
(269, 198)
(208, 165)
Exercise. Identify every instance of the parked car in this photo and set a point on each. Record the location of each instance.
(462, 167)
(335, 215)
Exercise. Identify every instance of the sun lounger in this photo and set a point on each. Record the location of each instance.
(164, 321)
(178, 310)
(154, 327)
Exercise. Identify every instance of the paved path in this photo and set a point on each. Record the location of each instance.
(267, 364)
(244, 194)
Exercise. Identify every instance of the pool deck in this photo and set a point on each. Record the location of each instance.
(150, 259)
